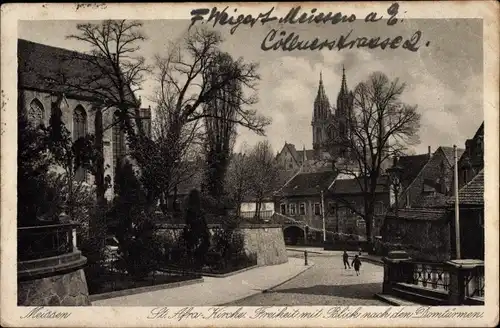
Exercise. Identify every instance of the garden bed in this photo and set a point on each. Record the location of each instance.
(115, 281)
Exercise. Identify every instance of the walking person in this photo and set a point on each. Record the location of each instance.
(345, 256)
(356, 263)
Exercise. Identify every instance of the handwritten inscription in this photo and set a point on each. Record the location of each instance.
(280, 39)
(336, 312)
(41, 312)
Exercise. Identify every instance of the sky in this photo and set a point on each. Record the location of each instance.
(444, 79)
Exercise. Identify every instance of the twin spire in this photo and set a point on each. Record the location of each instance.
(321, 98)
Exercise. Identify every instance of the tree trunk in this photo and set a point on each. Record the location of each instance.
(98, 225)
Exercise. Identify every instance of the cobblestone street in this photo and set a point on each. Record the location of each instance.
(327, 283)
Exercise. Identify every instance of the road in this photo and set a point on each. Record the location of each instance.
(326, 283)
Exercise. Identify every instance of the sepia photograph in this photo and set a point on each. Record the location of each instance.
(251, 164)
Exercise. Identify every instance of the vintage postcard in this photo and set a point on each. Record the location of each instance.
(250, 165)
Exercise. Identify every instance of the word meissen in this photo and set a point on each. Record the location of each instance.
(293, 17)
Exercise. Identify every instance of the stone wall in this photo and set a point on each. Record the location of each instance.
(68, 289)
(423, 240)
(53, 281)
(267, 242)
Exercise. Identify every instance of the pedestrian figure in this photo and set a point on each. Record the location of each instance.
(356, 263)
(346, 260)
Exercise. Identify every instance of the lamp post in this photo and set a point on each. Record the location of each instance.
(323, 216)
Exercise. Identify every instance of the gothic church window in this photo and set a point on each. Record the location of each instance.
(36, 113)
(79, 131)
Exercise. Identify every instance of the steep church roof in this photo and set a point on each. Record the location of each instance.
(42, 67)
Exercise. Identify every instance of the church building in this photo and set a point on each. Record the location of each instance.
(330, 126)
(38, 99)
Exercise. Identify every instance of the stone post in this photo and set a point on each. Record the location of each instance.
(458, 270)
(395, 270)
(73, 233)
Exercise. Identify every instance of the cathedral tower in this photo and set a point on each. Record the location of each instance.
(343, 116)
(321, 116)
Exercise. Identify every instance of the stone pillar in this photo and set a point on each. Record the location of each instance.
(396, 269)
(458, 270)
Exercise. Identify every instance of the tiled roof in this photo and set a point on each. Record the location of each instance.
(448, 153)
(354, 186)
(435, 200)
(308, 183)
(411, 165)
(472, 193)
(424, 214)
(38, 64)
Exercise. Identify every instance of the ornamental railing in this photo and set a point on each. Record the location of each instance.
(37, 242)
(430, 275)
(262, 214)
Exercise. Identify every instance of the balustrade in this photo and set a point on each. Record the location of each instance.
(37, 242)
(430, 275)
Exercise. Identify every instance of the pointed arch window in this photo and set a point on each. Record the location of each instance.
(36, 113)
(79, 131)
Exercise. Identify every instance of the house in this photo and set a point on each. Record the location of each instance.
(310, 197)
(471, 198)
(299, 203)
(346, 202)
(425, 225)
(38, 97)
(430, 179)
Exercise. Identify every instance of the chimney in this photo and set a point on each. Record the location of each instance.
(429, 151)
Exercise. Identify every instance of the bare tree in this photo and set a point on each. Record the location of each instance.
(264, 175)
(238, 178)
(190, 87)
(379, 127)
(220, 129)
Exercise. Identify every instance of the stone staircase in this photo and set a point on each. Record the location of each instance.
(404, 294)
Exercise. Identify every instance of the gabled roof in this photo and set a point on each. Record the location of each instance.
(472, 193)
(38, 64)
(308, 183)
(420, 214)
(448, 153)
(355, 186)
(411, 166)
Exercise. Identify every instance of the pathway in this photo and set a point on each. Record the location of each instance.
(215, 291)
(327, 283)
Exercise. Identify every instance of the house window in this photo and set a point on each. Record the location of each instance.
(302, 209)
(292, 209)
(379, 208)
(283, 209)
(464, 175)
(317, 209)
(331, 208)
(79, 131)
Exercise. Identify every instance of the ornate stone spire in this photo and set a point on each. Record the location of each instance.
(343, 88)
(321, 103)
